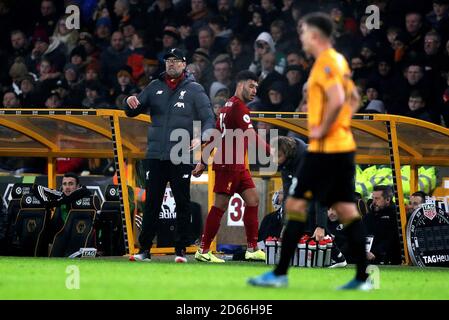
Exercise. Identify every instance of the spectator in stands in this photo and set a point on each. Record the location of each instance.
(434, 57)
(278, 98)
(295, 78)
(217, 104)
(416, 199)
(92, 52)
(17, 72)
(268, 76)
(439, 17)
(114, 58)
(227, 11)
(278, 31)
(151, 68)
(137, 54)
(373, 102)
(263, 45)
(30, 96)
(129, 30)
(221, 34)
(415, 31)
(48, 17)
(255, 26)
(381, 224)
(69, 37)
(194, 70)
(53, 101)
(417, 107)
(10, 100)
(414, 81)
(94, 98)
(103, 29)
(202, 59)
(223, 72)
(78, 57)
(269, 11)
(218, 89)
(125, 85)
(207, 42)
(20, 46)
(170, 39)
(199, 14)
(240, 58)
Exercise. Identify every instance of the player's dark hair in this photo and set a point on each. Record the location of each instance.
(286, 145)
(72, 175)
(245, 75)
(387, 191)
(421, 194)
(321, 21)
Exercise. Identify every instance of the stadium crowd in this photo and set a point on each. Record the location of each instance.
(400, 68)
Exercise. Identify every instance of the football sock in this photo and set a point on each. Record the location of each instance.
(251, 226)
(292, 233)
(211, 228)
(356, 241)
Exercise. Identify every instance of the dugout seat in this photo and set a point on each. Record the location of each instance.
(109, 224)
(18, 190)
(29, 227)
(78, 230)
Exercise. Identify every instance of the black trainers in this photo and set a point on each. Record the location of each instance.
(180, 256)
(141, 256)
(338, 261)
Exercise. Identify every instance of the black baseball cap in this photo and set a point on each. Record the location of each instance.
(175, 53)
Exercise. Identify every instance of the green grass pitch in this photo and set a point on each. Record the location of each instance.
(117, 278)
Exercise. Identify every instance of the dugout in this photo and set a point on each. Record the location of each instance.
(384, 140)
(51, 133)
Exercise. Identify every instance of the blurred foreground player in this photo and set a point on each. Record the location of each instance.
(327, 172)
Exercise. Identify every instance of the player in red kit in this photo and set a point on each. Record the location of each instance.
(231, 173)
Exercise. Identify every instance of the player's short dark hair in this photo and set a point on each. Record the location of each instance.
(321, 21)
(421, 194)
(387, 191)
(245, 75)
(72, 175)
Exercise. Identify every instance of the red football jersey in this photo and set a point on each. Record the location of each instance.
(234, 115)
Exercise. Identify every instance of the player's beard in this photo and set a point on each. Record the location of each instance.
(247, 96)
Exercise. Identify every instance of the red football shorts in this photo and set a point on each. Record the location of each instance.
(230, 182)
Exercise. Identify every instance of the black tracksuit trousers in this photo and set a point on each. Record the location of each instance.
(158, 173)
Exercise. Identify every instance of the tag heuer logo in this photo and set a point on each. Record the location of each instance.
(429, 211)
(430, 214)
(179, 104)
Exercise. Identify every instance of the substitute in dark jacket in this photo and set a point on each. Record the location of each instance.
(381, 225)
(173, 101)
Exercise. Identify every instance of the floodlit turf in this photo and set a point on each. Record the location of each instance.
(42, 278)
